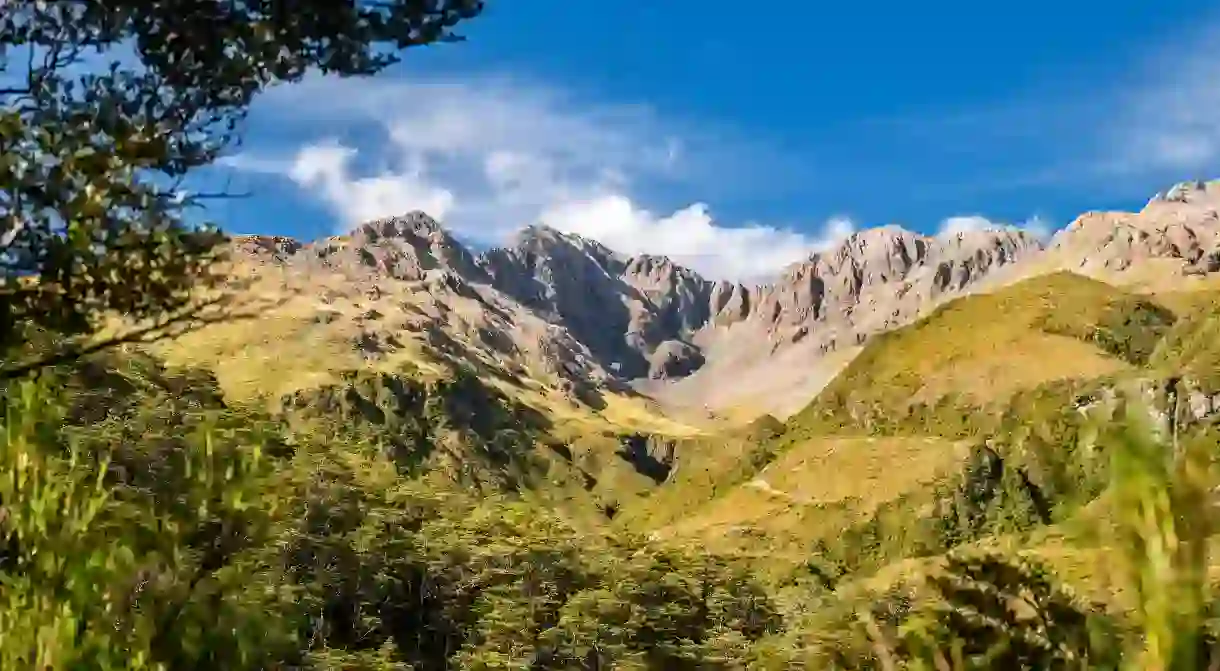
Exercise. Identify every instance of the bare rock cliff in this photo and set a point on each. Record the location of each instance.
(579, 310)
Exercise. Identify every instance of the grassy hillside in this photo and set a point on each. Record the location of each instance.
(1192, 346)
(987, 347)
(811, 488)
(434, 512)
(964, 426)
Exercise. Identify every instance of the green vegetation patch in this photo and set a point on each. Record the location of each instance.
(1192, 347)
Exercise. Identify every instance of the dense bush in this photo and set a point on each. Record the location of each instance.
(147, 523)
(160, 528)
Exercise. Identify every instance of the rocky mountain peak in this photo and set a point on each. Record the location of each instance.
(274, 248)
(647, 316)
(409, 226)
(998, 246)
(651, 264)
(649, 272)
(1179, 229)
(999, 235)
(878, 254)
(871, 281)
(886, 234)
(406, 247)
(634, 313)
(539, 239)
(1190, 192)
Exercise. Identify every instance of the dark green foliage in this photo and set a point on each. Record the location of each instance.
(980, 610)
(1128, 327)
(140, 548)
(825, 565)
(1001, 612)
(177, 532)
(410, 421)
(189, 534)
(107, 107)
(436, 583)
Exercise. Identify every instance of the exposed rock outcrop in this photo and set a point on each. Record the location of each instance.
(1180, 226)
(568, 306)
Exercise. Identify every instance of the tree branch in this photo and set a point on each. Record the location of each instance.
(190, 318)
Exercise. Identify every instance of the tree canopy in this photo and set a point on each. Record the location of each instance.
(105, 108)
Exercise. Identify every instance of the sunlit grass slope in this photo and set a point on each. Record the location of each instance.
(881, 457)
(986, 347)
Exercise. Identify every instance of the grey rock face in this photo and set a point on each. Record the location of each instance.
(647, 314)
(674, 358)
(403, 248)
(1180, 226)
(623, 309)
(647, 317)
(574, 283)
(680, 298)
(876, 279)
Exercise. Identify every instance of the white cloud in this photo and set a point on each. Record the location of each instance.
(490, 155)
(325, 169)
(1039, 227)
(691, 237)
(1036, 225)
(966, 224)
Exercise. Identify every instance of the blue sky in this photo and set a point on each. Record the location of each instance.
(738, 144)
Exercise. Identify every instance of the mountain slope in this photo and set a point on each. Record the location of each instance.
(1172, 243)
(969, 424)
(393, 291)
(954, 393)
(582, 320)
(777, 347)
(988, 346)
(566, 311)
(946, 389)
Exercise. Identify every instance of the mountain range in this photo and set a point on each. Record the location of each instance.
(840, 435)
(556, 306)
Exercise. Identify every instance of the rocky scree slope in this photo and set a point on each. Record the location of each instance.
(1174, 238)
(646, 316)
(394, 291)
(574, 309)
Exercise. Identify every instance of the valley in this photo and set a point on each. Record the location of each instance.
(467, 422)
(622, 337)
(920, 345)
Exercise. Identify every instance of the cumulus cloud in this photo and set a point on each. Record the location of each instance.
(1036, 225)
(326, 169)
(490, 155)
(691, 237)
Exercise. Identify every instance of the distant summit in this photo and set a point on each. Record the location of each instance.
(677, 334)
